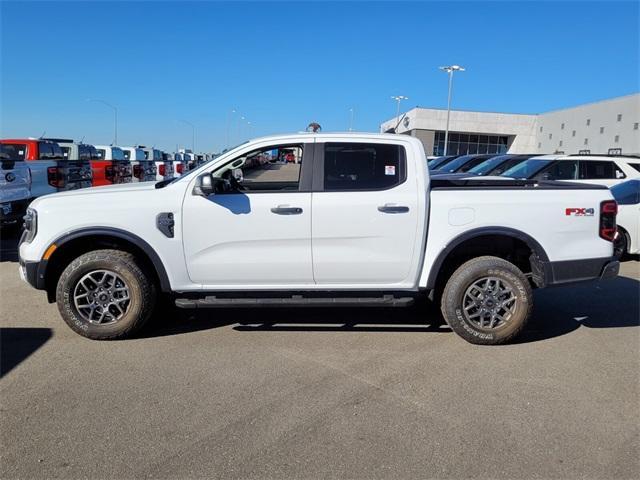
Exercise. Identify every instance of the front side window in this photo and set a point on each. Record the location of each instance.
(596, 170)
(274, 168)
(363, 166)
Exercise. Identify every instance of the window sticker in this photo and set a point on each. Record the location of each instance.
(389, 169)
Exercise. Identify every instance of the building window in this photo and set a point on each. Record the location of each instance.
(588, 122)
(539, 144)
(619, 117)
(466, 144)
(573, 134)
(616, 138)
(601, 129)
(635, 126)
(550, 136)
(586, 141)
(540, 127)
(560, 144)
(562, 127)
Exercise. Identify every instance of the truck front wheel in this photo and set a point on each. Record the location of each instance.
(105, 295)
(487, 301)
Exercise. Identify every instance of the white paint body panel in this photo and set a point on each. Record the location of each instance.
(629, 219)
(226, 249)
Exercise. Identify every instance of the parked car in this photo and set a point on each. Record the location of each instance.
(164, 168)
(15, 187)
(190, 158)
(122, 171)
(50, 171)
(437, 162)
(627, 240)
(358, 223)
(606, 170)
(144, 170)
(498, 165)
(461, 164)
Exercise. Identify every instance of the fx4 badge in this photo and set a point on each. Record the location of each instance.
(580, 212)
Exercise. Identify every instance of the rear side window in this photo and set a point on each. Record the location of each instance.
(560, 170)
(363, 166)
(635, 165)
(596, 170)
(13, 151)
(101, 153)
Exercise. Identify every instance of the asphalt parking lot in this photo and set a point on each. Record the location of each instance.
(335, 393)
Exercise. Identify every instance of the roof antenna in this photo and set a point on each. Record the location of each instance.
(395, 129)
(43, 134)
(81, 140)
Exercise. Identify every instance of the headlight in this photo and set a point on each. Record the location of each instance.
(30, 225)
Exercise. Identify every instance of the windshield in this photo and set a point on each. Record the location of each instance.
(488, 165)
(462, 164)
(438, 162)
(229, 153)
(526, 169)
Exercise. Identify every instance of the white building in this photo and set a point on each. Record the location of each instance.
(591, 128)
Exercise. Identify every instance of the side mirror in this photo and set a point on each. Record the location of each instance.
(204, 185)
(237, 174)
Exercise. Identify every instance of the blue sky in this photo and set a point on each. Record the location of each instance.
(282, 65)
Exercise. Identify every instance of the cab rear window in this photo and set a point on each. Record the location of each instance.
(13, 151)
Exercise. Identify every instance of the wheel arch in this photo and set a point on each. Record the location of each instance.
(475, 238)
(77, 242)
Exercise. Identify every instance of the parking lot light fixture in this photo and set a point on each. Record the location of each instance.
(351, 113)
(229, 115)
(115, 117)
(449, 69)
(398, 99)
(193, 135)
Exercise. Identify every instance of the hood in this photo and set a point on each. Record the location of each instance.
(123, 187)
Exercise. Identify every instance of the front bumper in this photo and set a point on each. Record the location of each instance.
(573, 271)
(30, 273)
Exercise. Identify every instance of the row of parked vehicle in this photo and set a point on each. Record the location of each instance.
(34, 167)
(621, 173)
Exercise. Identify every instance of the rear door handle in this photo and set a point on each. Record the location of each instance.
(286, 210)
(393, 208)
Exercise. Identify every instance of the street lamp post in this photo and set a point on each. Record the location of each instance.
(351, 119)
(449, 69)
(193, 135)
(115, 117)
(398, 99)
(231, 112)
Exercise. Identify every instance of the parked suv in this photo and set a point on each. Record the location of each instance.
(177, 160)
(606, 170)
(144, 170)
(101, 169)
(120, 166)
(50, 171)
(15, 187)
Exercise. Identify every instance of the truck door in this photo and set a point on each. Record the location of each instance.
(258, 233)
(366, 210)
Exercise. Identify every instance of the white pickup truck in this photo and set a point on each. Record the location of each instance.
(355, 221)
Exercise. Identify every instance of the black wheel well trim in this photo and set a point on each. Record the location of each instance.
(151, 254)
(532, 243)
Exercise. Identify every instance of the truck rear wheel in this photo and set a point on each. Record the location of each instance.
(105, 295)
(487, 301)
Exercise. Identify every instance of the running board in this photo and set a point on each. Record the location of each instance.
(294, 301)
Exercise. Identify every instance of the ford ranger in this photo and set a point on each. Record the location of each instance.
(355, 221)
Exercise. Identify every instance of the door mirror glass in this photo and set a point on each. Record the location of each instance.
(204, 185)
(237, 174)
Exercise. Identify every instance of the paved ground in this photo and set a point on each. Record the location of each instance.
(206, 397)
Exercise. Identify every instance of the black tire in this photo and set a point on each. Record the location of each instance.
(140, 288)
(460, 289)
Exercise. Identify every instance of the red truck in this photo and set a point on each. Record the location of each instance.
(103, 170)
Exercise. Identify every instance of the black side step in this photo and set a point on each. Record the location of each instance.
(294, 301)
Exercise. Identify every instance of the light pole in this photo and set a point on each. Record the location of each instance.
(115, 117)
(398, 99)
(229, 114)
(351, 119)
(240, 119)
(449, 69)
(193, 135)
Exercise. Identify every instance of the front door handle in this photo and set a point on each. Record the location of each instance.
(393, 208)
(286, 210)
